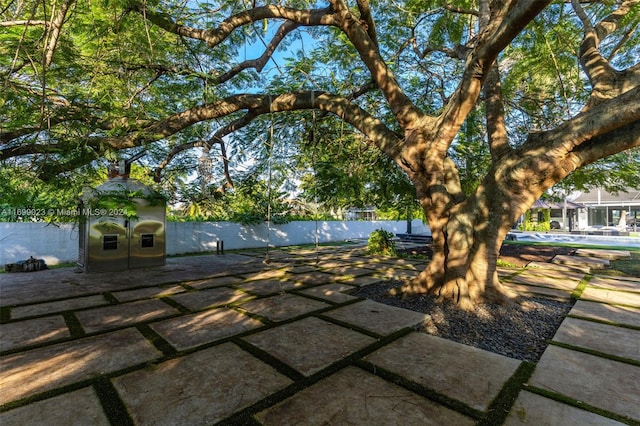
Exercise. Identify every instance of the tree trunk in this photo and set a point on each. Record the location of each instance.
(466, 246)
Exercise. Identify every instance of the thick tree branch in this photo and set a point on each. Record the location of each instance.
(618, 140)
(598, 69)
(367, 20)
(402, 107)
(548, 157)
(215, 36)
(505, 24)
(255, 105)
(581, 135)
(496, 125)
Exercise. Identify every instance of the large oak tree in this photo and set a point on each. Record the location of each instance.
(557, 86)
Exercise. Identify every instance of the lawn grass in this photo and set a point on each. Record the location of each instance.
(626, 267)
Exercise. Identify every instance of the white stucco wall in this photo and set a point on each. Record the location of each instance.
(53, 243)
(59, 244)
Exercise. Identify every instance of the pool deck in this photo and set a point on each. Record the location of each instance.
(231, 339)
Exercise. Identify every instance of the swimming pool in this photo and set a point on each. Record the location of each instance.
(603, 240)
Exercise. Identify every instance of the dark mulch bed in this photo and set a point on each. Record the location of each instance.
(518, 331)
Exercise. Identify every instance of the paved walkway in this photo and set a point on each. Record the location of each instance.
(229, 339)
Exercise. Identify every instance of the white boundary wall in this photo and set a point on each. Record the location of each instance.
(59, 243)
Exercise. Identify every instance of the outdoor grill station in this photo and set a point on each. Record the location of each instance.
(111, 239)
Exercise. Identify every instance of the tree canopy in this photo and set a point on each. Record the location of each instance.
(482, 105)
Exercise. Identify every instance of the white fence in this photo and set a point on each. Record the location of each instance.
(59, 243)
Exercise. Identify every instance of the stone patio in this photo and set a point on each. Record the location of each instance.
(231, 340)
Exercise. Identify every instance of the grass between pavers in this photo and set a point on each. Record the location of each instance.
(112, 405)
(581, 405)
(5, 314)
(73, 324)
(582, 285)
(501, 406)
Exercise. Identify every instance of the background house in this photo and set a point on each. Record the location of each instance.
(562, 214)
(604, 209)
(585, 211)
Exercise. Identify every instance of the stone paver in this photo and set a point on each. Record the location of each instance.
(589, 262)
(331, 292)
(189, 331)
(270, 274)
(361, 281)
(198, 389)
(309, 345)
(544, 267)
(58, 306)
(532, 409)
(265, 287)
(609, 385)
(32, 332)
(77, 408)
(619, 283)
(611, 296)
(330, 265)
(43, 286)
(349, 271)
(549, 272)
(202, 299)
(280, 308)
(551, 279)
(604, 254)
(613, 340)
(99, 319)
(604, 312)
(214, 282)
(146, 293)
(538, 290)
(355, 397)
(315, 277)
(39, 370)
(397, 274)
(461, 372)
(593, 263)
(377, 317)
(302, 269)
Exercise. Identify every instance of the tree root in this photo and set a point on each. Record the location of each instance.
(455, 292)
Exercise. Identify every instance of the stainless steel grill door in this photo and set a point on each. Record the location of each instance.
(147, 236)
(108, 244)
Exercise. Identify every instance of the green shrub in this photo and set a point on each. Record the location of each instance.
(530, 225)
(381, 242)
